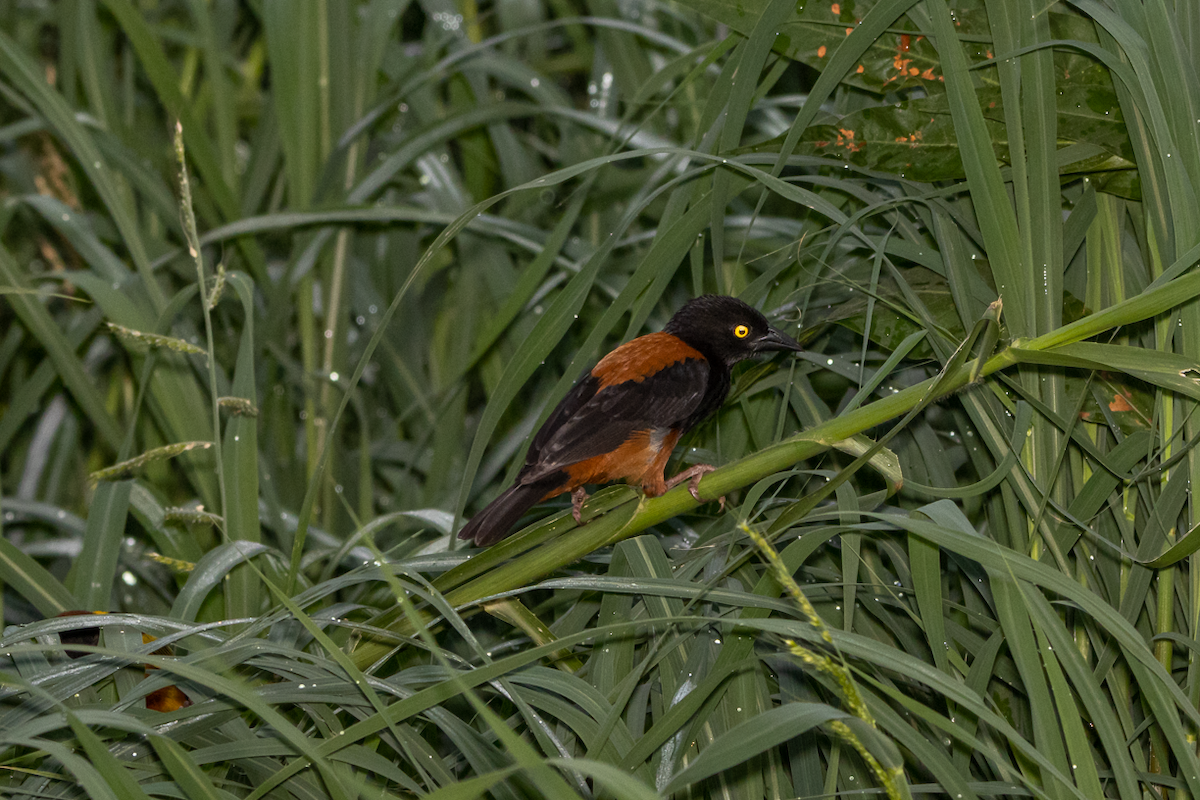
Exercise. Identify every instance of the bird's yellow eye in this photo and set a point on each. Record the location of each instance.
(741, 331)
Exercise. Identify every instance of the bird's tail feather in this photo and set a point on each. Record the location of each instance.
(496, 520)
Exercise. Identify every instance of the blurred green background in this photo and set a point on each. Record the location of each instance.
(286, 286)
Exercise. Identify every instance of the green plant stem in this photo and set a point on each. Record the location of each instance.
(630, 519)
(193, 242)
(614, 527)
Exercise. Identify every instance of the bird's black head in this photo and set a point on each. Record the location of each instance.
(727, 329)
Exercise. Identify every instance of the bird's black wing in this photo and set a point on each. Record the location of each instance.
(581, 393)
(592, 421)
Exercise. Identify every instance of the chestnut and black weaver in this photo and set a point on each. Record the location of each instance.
(622, 419)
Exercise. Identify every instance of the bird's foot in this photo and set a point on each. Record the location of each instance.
(578, 498)
(693, 475)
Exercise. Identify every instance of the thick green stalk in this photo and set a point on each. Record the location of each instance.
(614, 527)
(649, 511)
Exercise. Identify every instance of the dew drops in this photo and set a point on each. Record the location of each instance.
(449, 22)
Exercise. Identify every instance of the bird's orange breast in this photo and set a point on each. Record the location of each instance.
(640, 460)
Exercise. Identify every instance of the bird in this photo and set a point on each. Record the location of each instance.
(165, 699)
(624, 416)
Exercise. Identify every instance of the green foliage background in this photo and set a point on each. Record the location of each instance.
(244, 403)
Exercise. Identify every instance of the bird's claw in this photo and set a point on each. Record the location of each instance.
(693, 475)
(694, 491)
(578, 497)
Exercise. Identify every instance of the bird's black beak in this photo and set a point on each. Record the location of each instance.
(776, 340)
